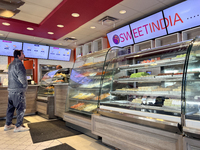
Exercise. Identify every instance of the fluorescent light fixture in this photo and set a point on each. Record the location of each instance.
(29, 28)
(50, 33)
(60, 43)
(75, 15)
(122, 11)
(60, 25)
(73, 37)
(92, 27)
(6, 24)
(1, 34)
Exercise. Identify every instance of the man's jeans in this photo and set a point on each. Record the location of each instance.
(16, 100)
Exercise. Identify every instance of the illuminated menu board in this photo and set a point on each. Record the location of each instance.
(56, 53)
(35, 51)
(120, 37)
(148, 28)
(182, 16)
(8, 47)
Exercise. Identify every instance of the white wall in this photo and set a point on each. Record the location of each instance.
(3, 66)
(64, 64)
(3, 63)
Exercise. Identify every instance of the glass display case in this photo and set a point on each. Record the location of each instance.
(146, 86)
(84, 86)
(46, 87)
(191, 91)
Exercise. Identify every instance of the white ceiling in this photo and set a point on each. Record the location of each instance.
(35, 11)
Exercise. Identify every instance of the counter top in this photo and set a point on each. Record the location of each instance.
(2, 86)
(62, 84)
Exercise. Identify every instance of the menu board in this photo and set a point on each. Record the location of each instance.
(148, 28)
(35, 51)
(120, 37)
(57, 53)
(8, 47)
(182, 16)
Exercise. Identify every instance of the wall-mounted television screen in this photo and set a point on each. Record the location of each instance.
(182, 16)
(8, 47)
(56, 53)
(148, 28)
(120, 37)
(35, 50)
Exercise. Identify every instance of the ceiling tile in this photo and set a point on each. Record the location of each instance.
(114, 12)
(97, 18)
(154, 9)
(73, 34)
(45, 3)
(36, 10)
(4, 34)
(28, 17)
(139, 5)
(55, 43)
(84, 31)
(24, 38)
(90, 23)
(133, 18)
(171, 2)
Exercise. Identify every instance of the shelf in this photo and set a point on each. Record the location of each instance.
(168, 62)
(151, 79)
(136, 105)
(92, 89)
(171, 94)
(79, 111)
(89, 101)
(93, 66)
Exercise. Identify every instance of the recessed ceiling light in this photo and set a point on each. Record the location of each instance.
(92, 27)
(6, 24)
(50, 33)
(122, 11)
(29, 28)
(1, 34)
(60, 43)
(7, 13)
(75, 15)
(60, 25)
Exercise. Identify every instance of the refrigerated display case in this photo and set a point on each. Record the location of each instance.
(83, 90)
(85, 83)
(147, 84)
(154, 96)
(45, 96)
(191, 92)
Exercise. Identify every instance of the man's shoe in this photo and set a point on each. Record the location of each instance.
(10, 127)
(21, 129)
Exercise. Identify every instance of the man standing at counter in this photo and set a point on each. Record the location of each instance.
(17, 86)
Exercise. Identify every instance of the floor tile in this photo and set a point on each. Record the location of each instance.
(82, 141)
(21, 147)
(23, 141)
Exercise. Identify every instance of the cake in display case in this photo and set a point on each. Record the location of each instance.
(150, 84)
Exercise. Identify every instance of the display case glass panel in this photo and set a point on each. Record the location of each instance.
(147, 83)
(191, 88)
(84, 84)
(51, 78)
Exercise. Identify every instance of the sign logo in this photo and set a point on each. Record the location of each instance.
(116, 39)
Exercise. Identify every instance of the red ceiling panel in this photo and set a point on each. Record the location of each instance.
(88, 9)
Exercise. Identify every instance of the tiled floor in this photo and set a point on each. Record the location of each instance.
(23, 141)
